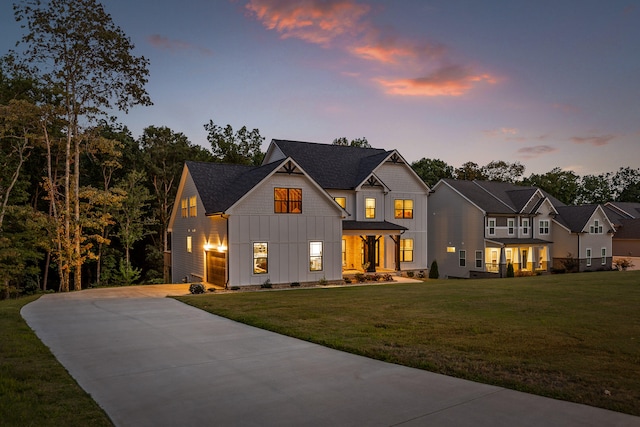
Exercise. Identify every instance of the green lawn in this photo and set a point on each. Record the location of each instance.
(574, 337)
(35, 390)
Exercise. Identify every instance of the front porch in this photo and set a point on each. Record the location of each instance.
(531, 255)
(370, 247)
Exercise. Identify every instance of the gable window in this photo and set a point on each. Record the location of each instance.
(193, 206)
(342, 201)
(544, 226)
(595, 228)
(406, 250)
(260, 258)
(511, 225)
(463, 258)
(403, 209)
(189, 244)
(315, 256)
(525, 226)
(369, 208)
(603, 253)
(478, 259)
(287, 200)
(492, 226)
(185, 212)
(588, 257)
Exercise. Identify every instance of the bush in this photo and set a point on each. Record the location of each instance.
(433, 271)
(410, 274)
(510, 272)
(623, 264)
(196, 288)
(571, 264)
(295, 284)
(266, 284)
(359, 277)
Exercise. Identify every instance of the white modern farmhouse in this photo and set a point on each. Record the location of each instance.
(310, 212)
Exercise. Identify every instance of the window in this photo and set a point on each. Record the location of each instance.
(463, 258)
(478, 259)
(451, 249)
(369, 208)
(185, 212)
(511, 225)
(492, 226)
(403, 208)
(596, 228)
(525, 226)
(342, 201)
(287, 200)
(509, 255)
(344, 252)
(315, 256)
(192, 206)
(260, 258)
(588, 257)
(603, 253)
(406, 250)
(494, 257)
(189, 244)
(544, 226)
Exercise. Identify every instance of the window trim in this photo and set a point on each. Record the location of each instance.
(315, 257)
(370, 210)
(479, 259)
(189, 244)
(403, 212)
(603, 254)
(525, 226)
(343, 205)
(290, 205)
(511, 226)
(462, 258)
(265, 257)
(185, 207)
(589, 256)
(544, 226)
(406, 250)
(193, 206)
(491, 229)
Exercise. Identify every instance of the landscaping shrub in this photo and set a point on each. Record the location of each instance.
(196, 288)
(510, 272)
(433, 271)
(410, 274)
(266, 284)
(295, 284)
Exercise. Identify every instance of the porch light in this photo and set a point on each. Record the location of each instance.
(208, 246)
(222, 248)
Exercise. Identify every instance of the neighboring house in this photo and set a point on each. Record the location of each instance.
(626, 220)
(477, 228)
(310, 212)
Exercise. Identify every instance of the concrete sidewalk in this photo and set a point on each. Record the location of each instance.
(153, 361)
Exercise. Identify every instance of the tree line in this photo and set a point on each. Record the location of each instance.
(85, 203)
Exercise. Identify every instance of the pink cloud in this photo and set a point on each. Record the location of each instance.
(535, 151)
(598, 141)
(162, 42)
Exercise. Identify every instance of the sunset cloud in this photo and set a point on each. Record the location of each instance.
(535, 151)
(597, 141)
(346, 25)
(162, 42)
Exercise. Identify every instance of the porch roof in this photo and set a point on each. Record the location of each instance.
(517, 242)
(383, 226)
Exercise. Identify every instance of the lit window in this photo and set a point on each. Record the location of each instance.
(509, 256)
(287, 200)
(403, 209)
(369, 208)
(588, 257)
(342, 201)
(315, 256)
(463, 258)
(492, 226)
(185, 212)
(192, 206)
(478, 259)
(260, 258)
(451, 249)
(189, 244)
(544, 226)
(406, 250)
(344, 252)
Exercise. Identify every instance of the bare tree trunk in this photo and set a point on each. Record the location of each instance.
(22, 158)
(77, 282)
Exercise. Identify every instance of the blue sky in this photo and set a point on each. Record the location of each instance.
(546, 83)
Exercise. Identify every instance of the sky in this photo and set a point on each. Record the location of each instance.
(547, 83)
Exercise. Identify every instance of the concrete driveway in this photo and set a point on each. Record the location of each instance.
(153, 361)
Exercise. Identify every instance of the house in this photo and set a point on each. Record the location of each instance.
(309, 213)
(478, 228)
(625, 217)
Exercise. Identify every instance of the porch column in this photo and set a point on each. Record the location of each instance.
(503, 262)
(396, 240)
(370, 252)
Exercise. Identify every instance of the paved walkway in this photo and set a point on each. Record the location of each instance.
(153, 361)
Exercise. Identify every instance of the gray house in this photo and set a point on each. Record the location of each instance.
(311, 212)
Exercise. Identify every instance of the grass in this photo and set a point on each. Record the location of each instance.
(574, 337)
(35, 390)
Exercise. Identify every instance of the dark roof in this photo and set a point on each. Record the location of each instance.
(333, 166)
(515, 241)
(221, 185)
(575, 217)
(626, 210)
(628, 229)
(372, 225)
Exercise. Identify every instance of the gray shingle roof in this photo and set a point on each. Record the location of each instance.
(575, 218)
(333, 166)
(628, 229)
(221, 185)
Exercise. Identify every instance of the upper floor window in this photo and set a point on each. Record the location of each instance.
(596, 227)
(287, 200)
(403, 208)
(369, 208)
(511, 225)
(315, 256)
(193, 206)
(525, 226)
(492, 226)
(406, 250)
(185, 212)
(260, 258)
(544, 226)
(342, 201)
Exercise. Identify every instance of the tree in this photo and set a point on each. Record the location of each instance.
(626, 185)
(74, 47)
(594, 189)
(563, 185)
(432, 170)
(241, 147)
(499, 170)
(433, 271)
(357, 142)
(469, 171)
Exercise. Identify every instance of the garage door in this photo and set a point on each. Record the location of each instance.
(216, 268)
